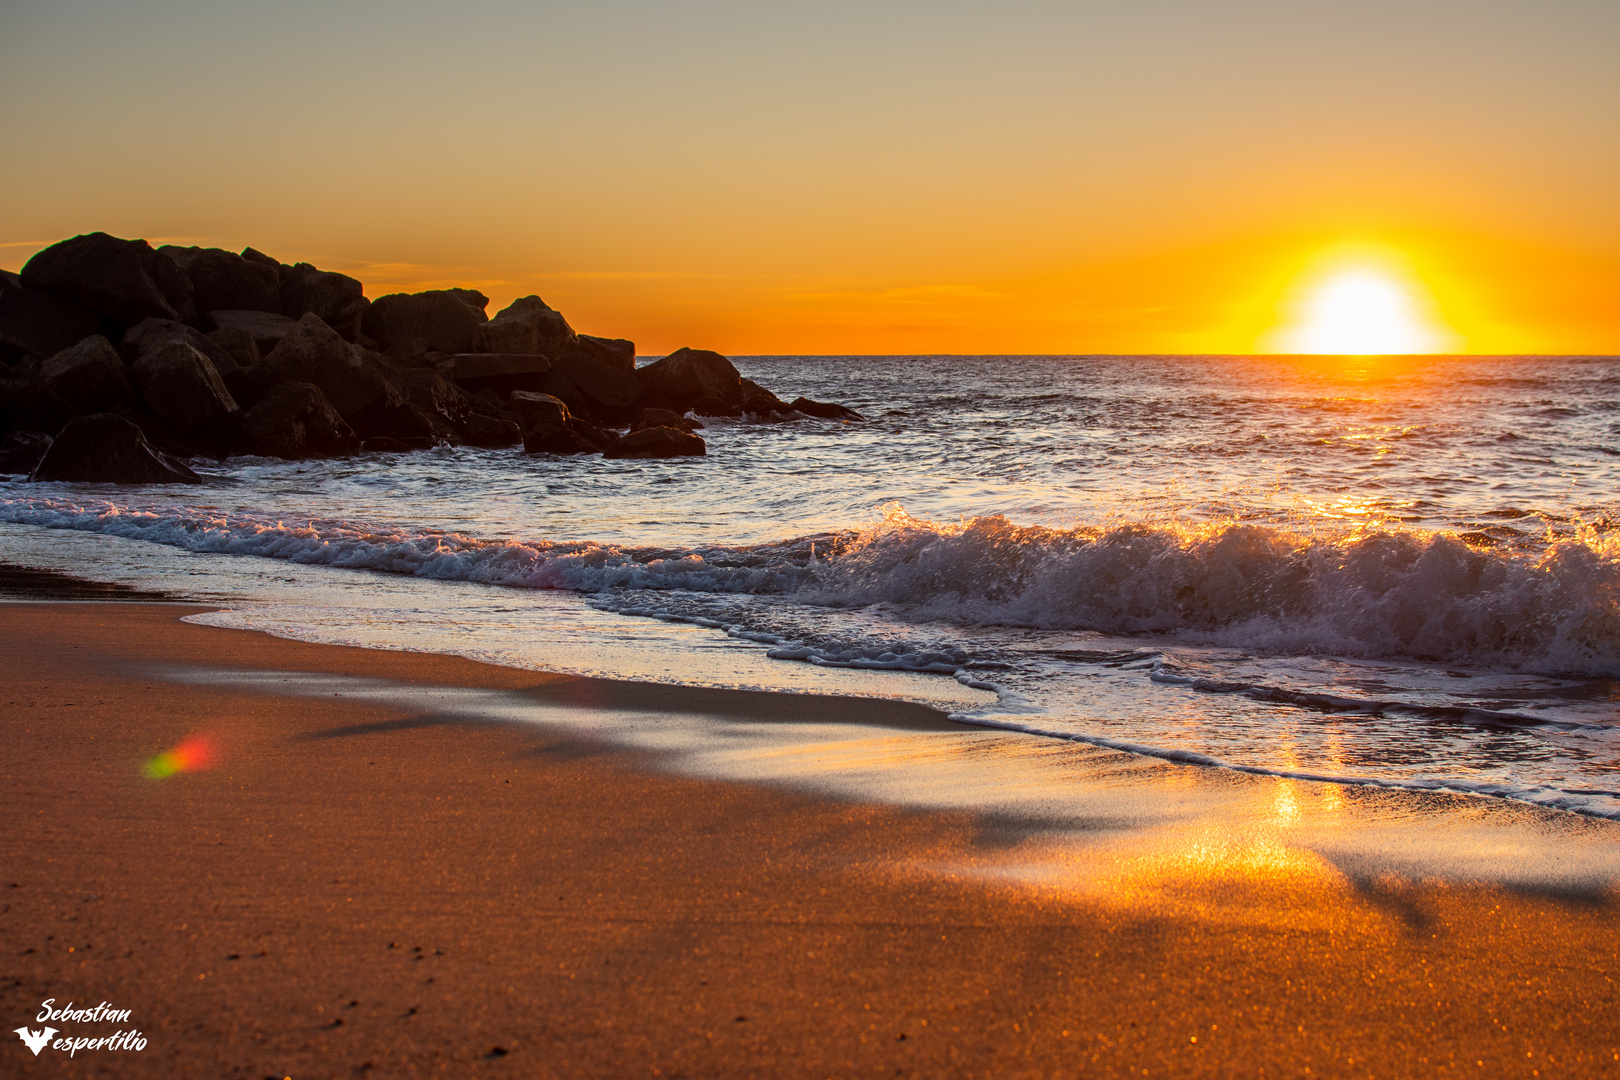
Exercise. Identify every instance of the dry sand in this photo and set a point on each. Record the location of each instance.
(376, 890)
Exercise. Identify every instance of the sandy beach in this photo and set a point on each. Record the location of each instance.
(358, 889)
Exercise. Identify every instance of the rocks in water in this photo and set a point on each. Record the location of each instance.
(539, 410)
(224, 280)
(266, 329)
(382, 444)
(443, 318)
(294, 420)
(687, 375)
(614, 352)
(708, 406)
(549, 428)
(108, 449)
(87, 377)
(664, 418)
(760, 404)
(38, 324)
(123, 281)
(526, 325)
(823, 409)
(20, 451)
(575, 437)
(433, 393)
(336, 299)
(656, 442)
(593, 389)
(181, 387)
(358, 387)
(490, 431)
(500, 372)
(206, 334)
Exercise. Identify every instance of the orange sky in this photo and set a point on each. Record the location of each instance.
(843, 178)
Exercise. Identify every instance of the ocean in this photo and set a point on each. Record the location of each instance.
(1395, 573)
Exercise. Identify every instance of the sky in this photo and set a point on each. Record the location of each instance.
(1152, 176)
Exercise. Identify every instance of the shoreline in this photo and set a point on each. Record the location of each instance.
(581, 911)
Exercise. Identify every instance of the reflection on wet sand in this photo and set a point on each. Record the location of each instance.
(1050, 816)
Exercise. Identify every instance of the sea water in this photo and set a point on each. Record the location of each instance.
(1381, 573)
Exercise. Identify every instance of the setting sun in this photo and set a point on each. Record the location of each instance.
(1362, 311)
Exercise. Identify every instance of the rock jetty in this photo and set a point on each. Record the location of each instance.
(119, 362)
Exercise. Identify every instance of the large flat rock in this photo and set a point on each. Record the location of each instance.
(490, 365)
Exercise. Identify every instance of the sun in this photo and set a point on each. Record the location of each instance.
(1361, 311)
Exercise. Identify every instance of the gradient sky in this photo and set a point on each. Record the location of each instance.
(876, 177)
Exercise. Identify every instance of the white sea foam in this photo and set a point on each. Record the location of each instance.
(1424, 595)
(1375, 592)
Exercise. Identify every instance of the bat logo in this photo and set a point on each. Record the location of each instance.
(36, 1040)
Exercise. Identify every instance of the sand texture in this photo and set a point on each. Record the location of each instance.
(364, 889)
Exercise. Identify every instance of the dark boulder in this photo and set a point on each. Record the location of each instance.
(20, 451)
(121, 280)
(656, 442)
(336, 299)
(408, 422)
(614, 352)
(38, 324)
(107, 449)
(686, 375)
(500, 372)
(409, 353)
(549, 428)
(526, 325)
(490, 431)
(266, 329)
(254, 255)
(359, 388)
(708, 406)
(237, 344)
(603, 393)
(825, 410)
(181, 387)
(473, 419)
(760, 404)
(382, 444)
(574, 437)
(664, 418)
(473, 299)
(441, 317)
(87, 377)
(294, 420)
(243, 351)
(430, 391)
(539, 410)
(224, 280)
(148, 334)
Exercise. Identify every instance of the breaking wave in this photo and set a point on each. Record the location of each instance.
(1376, 592)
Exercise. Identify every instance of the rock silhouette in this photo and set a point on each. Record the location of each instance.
(220, 352)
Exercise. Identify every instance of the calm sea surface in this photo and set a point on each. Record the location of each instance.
(1397, 572)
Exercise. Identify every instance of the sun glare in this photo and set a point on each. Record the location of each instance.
(1361, 311)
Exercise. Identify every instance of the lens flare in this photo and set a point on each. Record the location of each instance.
(1362, 311)
(192, 754)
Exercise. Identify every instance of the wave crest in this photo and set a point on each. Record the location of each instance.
(1424, 595)
(1380, 592)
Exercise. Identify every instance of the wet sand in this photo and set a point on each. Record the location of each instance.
(385, 889)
